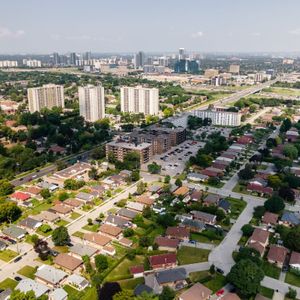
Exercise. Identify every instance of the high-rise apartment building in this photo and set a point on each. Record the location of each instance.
(91, 102)
(8, 63)
(32, 63)
(47, 96)
(181, 54)
(73, 58)
(139, 59)
(140, 100)
(234, 69)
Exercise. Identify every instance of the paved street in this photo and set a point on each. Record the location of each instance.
(198, 245)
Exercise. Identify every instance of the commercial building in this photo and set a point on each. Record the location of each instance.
(121, 148)
(47, 96)
(140, 100)
(139, 59)
(32, 63)
(220, 117)
(8, 63)
(91, 102)
(235, 69)
(186, 66)
(209, 73)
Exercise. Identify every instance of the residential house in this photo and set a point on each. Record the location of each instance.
(166, 244)
(204, 217)
(196, 195)
(224, 205)
(163, 261)
(14, 232)
(290, 219)
(74, 203)
(211, 199)
(22, 198)
(86, 197)
(115, 220)
(58, 294)
(212, 172)
(96, 239)
(50, 276)
(139, 207)
(33, 191)
(193, 225)
(126, 213)
(197, 177)
(197, 292)
(30, 224)
(182, 191)
(67, 262)
(3, 245)
(27, 285)
(99, 189)
(108, 249)
(259, 181)
(5, 294)
(77, 281)
(295, 260)
(61, 209)
(125, 242)
(145, 199)
(79, 250)
(137, 271)
(260, 190)
(110, 231)
(47, 217)
(180, 233)
(270, 218)
(277, 255)
(259, 240)
(126, 174)
(141, 289)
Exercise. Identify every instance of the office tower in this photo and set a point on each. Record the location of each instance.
(87, 55)
(139, 60)
(56, 59)
(91, 102)
(47, 96)
(140, 100)
(73, 58)
(235, 69)
(186, 66)
(181, 54)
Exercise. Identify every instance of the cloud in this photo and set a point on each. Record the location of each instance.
(197, 34)
(7, 33)
(295, 31)
(256, 34)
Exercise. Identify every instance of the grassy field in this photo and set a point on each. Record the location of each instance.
(237, 206)
(271, 270)
(27, 271)
(93, 228)
(130, 284)
(61, 249)
(8, 283)
(266, 292)
(7, 255)
(213, 282)
(78, 234)
(122, 270)
(39, 208)
(61, 223)
(282, 91)
(74, 215)
(202, 238)
(190, 255)
(72, 293)
(292, 279)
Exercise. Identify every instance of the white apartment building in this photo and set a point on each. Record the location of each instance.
(49, 96)
(140, 100)
(91, 102)
(8, 63)
(219, 117)
(32, 63)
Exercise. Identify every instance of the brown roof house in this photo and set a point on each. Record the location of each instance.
(137, 271)
(96, 239)
(61, 209)
(259, 240)
(166, 244)
(182, 191)
(110, 230)
(67, 262)
(295, 260)
(270, 218)
(204, 217)
(211, 199)
(197, 292)
(180, 233)
(163, 261)
(277, 255)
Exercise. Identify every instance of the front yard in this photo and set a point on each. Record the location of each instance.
(27, 271)
(8, 283)
(7, 255)
(271, 270)
(236, 207)
(190, 255)
(292, 279)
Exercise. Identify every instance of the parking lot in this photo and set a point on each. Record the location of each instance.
(173, 162)
(225, 131)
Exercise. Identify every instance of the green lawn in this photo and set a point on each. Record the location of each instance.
(61, 249)
(121, 271)
(190, 255)
(292, 279)
(8, 283)
(61, 222)
(266, 292)
(90, 294)
(130, 284)
(271, 270)
(236, 207)
(72, 292)
(7, 255)
(39, 208)
(46, 234)
(74, 215)
(78, 234)
(199, 276)
(240, 189)
(201, 238)
(216, 283)
(93, 228)
(27, 271)
(282, 91)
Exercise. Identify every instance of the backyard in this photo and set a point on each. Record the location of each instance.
(190, 255)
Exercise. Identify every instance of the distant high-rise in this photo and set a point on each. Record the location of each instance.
(73, 58)
(56, 59)
(234, 69)
(139, 60)
(87, 55)
(140, 100)
(91, 102)
(181, 54)
(47, 96)
(186, 66)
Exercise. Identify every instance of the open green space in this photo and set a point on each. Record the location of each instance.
(191, 255)
(130, 284)
(78, 234)
(292, 279)
(201, 237)
(61, 223)
(213, 282)
(61, 249)
(282, 91)
(27, 271)
(266, 292)
(271, 270)
(236, 207)
(93, 227)
(8, 283)
(74, 215)
(7, 255)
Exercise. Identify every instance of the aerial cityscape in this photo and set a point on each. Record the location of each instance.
(150, 150)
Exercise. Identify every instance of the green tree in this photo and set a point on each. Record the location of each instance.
(249, 253)
(145, 241)
(286, 125)
(128, 232)
(247, 230)
(292, 239)
(246, 277)
(123, 295)
(93, 173)
(291, 294)
(140, 188)
(259, 211)
(274, 181)
(154, 168)
(274, 204)
(168, 112)
(60, 236)
(178, 182)
(246, 173)
(101, 262)
(167, 179)
(167, 294)
(290, 151)
(18, 295)
(45, 193)
(9, 212)
(6, 187)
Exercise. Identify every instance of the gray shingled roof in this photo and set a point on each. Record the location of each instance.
(127, 213)
(50, 274)
(171, 275)
(82, 250)
(14, 232)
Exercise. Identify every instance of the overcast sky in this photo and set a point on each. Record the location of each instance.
(38, 26)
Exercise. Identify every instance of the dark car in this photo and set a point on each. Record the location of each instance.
(18, 259)
(54, 252)
(18, 278)
(219, 270)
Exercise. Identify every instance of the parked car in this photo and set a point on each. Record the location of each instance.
(219, 270)
(18, 278)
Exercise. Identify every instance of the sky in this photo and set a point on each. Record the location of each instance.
(39, 26)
